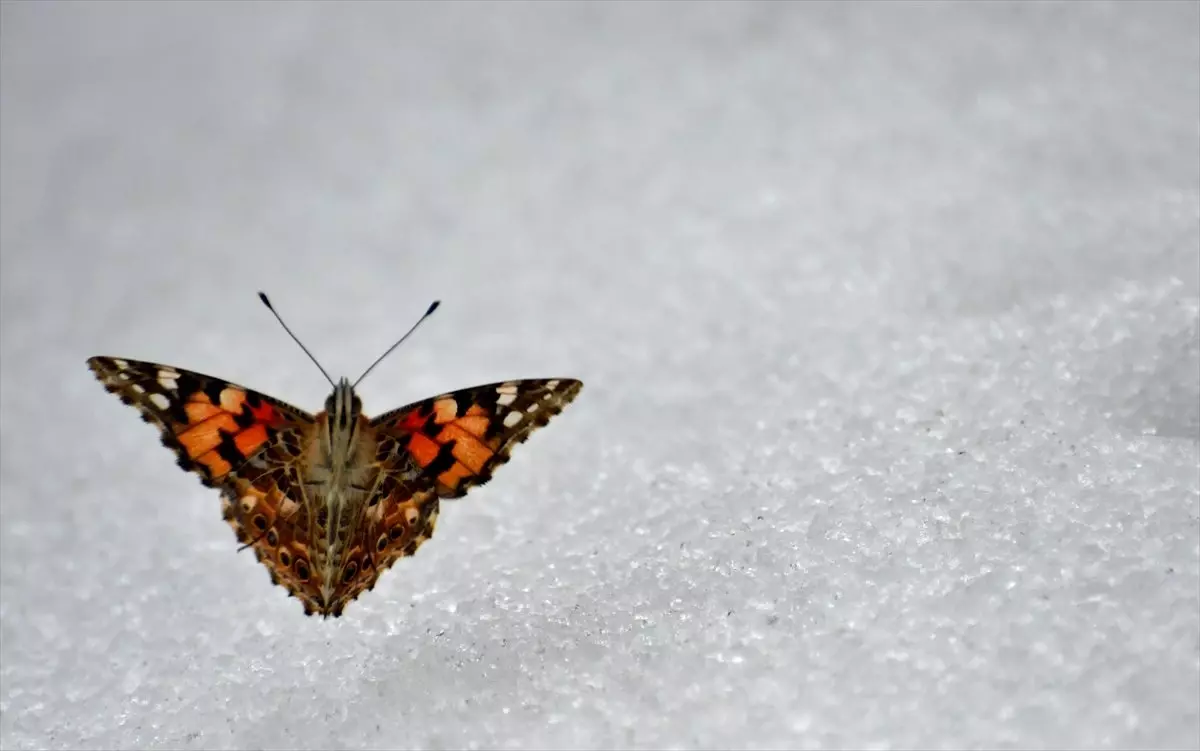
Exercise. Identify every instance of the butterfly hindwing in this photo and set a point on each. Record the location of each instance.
(277, 527)
(212, 426)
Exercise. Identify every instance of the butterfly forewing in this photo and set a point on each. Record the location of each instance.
(212, 425)
(456, 440)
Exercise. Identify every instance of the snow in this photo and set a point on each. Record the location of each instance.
(888, 318)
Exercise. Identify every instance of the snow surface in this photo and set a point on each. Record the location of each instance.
(887, 315)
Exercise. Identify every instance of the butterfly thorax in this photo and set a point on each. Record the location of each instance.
(341, 430)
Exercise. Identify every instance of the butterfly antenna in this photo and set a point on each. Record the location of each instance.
(428, 313)
(265, 301)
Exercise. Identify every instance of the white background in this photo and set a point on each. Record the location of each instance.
(887, 315)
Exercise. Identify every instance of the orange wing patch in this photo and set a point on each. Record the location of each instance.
(423, 449)
(207, 434)
(467, 447)
(450, 447)
(220, 435)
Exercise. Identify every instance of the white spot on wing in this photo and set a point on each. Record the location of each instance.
(167, 378)
(120, 363)
(513, 419)
(137, 388)
(506, 398)
(160, 401)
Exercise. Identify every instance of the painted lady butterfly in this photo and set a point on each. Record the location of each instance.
(329, 501)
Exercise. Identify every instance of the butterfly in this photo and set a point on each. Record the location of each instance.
(330, 501)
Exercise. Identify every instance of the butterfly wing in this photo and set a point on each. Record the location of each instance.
(214, 427)
(439, 448)
(248, 445)
(455, 441)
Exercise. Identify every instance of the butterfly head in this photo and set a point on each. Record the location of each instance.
(343, 405)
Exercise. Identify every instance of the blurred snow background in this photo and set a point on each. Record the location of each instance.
(887, 315)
